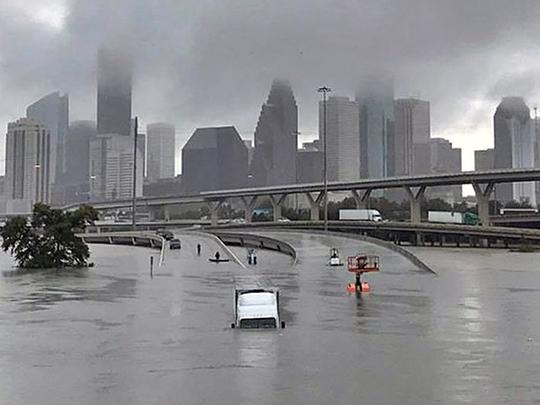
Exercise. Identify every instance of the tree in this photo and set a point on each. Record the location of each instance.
(48, 240)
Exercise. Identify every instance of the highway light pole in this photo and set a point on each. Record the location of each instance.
(324, 90)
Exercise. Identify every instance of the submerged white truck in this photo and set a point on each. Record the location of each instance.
(256, 304)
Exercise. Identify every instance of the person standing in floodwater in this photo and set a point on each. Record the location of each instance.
(198, 249)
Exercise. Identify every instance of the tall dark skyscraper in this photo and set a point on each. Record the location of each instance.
(375, 97)
(52, 111)
(276, 138)
(514, 147)
(114, 91)
(412, 137)
(81, 133)
(214, 159)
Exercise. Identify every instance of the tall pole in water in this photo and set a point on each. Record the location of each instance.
(324, 90)
(134, 191)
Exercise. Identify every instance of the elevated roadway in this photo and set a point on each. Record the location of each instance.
(483, 183)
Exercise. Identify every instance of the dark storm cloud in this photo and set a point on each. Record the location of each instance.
(211, 62)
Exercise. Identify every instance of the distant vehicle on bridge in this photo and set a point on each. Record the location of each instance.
(453, 217)
(518, 211)
(360, 215)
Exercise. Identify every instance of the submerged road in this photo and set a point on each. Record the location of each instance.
(113, 334)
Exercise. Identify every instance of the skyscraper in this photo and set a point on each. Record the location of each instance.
(76, 178)
(412, 136)
(28, 180)
(114, 155)
(161, 150)
(276, 138)
(375, 98)
(484, 159)
(112, 151)
(343, 143)
(81, 133)
(514, 147)
(114, 91)
(445, 159)
(214, 159)
(52, 111)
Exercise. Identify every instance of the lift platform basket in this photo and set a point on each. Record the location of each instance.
(363, 263)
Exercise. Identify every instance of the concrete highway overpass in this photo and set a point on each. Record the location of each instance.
(483, 183)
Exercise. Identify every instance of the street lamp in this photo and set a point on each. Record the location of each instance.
(324, 90)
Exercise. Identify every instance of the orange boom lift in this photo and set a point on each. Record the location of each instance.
(359, 265)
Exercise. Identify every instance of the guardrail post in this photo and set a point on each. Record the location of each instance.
(249, 205)
(361, 200)
(314, 204)
(415, 197)
(277, 201)
(482, 199)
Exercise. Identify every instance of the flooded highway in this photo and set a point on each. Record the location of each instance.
(114, 334)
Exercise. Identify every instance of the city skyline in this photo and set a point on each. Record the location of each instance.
(463, 74)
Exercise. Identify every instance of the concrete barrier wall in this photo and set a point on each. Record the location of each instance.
(133, 238)
(255, 241)
(234, 238)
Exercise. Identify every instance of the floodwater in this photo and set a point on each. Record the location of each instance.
(114, 334)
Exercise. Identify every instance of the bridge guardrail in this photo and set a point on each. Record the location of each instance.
(255, 241)
(133, 238)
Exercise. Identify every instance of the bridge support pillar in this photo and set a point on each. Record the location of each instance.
(415, 198)
(152, 211)
(214, 206)
(314, 204)
(166, 213)
(249, 205)
(361, 199)
(482, 198)
(277, 201)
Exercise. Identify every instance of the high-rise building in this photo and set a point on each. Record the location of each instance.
(343, 143)
(81, 133)
(276, 138)
(52, 111)
(484, 159)
(412, 136)
(161, 151)
(113, 154)
(28, 152)
(375, 97)
(114, 91)
(310, 166)
(514, 147)
(445, 159)
(214, 159)
(249, 146)
(76, 179)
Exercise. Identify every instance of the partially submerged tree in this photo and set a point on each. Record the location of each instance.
(48, 240)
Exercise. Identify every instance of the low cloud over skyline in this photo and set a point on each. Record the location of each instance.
(205, 63)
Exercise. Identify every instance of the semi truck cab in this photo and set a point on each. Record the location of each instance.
(257, 307)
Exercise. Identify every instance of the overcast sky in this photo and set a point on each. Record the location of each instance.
(211, 62)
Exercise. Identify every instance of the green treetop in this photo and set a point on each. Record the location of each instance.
(48, 240)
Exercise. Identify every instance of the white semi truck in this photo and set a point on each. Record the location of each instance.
(256, 304)
(360, 215)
